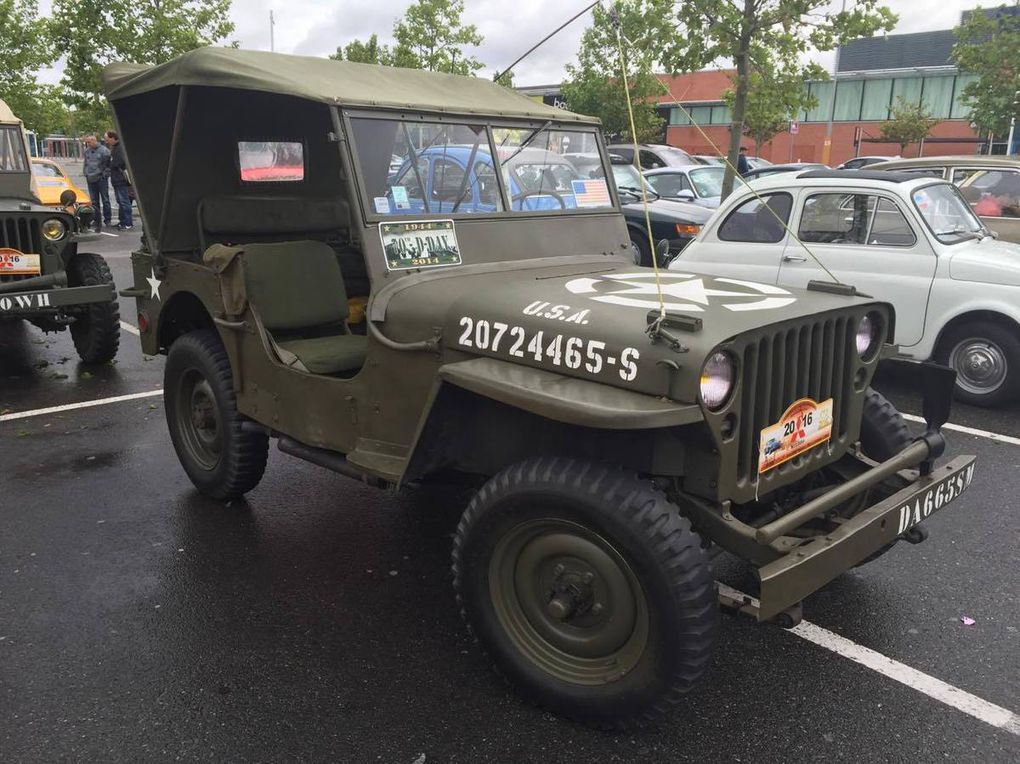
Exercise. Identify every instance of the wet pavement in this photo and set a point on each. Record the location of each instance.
(316, 621)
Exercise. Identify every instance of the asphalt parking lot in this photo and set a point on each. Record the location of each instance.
(316, 621)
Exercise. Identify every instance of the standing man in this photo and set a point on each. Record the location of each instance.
(119, 180)
(97, 172)
(742, 166)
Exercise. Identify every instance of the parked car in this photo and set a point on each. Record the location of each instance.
(701, 185)
(912, 241)
(652, 156)
(52, 181)
(991, 184)
(775, 169)
(858, 163)
(708, 159)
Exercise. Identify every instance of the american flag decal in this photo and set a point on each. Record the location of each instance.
(591, 193)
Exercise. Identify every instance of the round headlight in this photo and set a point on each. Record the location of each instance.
(867, 336)
(54, 229)
(717, 377)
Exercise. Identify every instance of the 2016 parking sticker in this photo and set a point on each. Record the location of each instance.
(556, 349)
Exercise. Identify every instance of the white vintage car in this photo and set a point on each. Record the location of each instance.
(913, 241)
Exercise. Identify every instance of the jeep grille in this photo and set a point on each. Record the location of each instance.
(20, 233)
(813, 360)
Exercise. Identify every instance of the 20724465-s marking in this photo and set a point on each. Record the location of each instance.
(408, 293)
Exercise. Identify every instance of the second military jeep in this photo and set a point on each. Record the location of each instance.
(367, 266)
(44, 277)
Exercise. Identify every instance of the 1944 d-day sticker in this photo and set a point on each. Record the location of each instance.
(804, 425)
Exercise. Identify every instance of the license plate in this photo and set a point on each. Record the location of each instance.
(15, 263)
(920, 506)
(804, 425)
(424, 244)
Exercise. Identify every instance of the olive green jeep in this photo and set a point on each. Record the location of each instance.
(44, 278)
(396, 275)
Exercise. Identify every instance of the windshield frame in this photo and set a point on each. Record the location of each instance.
(959, 237)
(490, 124)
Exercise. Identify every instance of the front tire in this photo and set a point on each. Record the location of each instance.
(591, 593)
(640, 250)
(223, 460)
(96, 331)
(986, 358)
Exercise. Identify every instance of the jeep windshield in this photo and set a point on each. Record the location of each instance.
(12, 150)
(947, 213)
(416, 168)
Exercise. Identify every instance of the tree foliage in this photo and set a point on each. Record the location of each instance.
(432, 36)
(908, 123)
(24, 48)
(988, 45)
(595, 85)
(368, 52)
(93, 33)
(767, 37)
(774, 100)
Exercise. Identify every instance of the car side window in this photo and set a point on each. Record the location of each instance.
(485, 178)
(669, 184)
(890, 228)
(408, 179)
(650, 161)
(760, 221)
(447, 177)
(838, 218)
(992, 193)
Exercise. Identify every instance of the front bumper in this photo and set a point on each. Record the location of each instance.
(808, 567)
(53, 300)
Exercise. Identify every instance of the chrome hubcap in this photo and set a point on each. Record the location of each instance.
(980, 366)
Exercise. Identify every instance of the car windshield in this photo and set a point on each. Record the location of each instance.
(629, 180)
(41, 170)
(708, 180)
(947, 214)
(12, 150)
(410, 167)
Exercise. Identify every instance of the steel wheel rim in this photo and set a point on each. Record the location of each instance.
(635, 251)
(198, 420)
(569, 601)
(980, 365)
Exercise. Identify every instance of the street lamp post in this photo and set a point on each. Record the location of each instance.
(1012, 124)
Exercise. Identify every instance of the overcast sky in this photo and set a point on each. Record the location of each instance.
(509, 27)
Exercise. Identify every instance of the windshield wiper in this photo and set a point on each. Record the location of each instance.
(524, 144)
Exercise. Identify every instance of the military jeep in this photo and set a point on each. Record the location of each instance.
(320, 272)
(44, 278)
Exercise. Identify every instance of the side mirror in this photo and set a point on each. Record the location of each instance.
(686, 196)
(67, 198)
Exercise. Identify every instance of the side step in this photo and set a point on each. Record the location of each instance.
(331, 460)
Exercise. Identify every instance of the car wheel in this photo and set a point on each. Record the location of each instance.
(223, 460)
(96, 330)
(591, 593)
(986, 358)
(640, 250)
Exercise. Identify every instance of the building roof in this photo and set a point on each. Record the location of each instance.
(341, 83)
(899, 51)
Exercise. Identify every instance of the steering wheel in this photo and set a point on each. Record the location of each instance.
(525, 194)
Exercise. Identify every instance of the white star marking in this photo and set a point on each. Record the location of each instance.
(693, 290)
(681, 291)
(154, 285)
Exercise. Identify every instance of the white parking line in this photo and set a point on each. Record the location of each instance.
(954, 697)
(129, 328)
(970, 431)
(104, 233)
(81, 405)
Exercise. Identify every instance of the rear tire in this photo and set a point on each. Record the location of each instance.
(591, 593)
(986, 358)
(96, 331)
(223, 460)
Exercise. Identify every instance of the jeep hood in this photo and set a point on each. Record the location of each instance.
(586, 317)
(988, 261)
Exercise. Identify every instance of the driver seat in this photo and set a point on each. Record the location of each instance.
(298, 292)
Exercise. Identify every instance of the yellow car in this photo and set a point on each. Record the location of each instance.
(52, 181)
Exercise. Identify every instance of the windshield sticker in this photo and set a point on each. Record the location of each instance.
(591, 193)
(680, 291)
(382, 205)
(922, 200)
(400, 200)
(426, 244)
(14, 262)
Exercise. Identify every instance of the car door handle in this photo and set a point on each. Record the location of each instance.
(794, 259)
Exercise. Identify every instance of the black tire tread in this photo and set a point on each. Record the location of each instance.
(248, 451)
(664, 531)
(884, 431)
(96, 337)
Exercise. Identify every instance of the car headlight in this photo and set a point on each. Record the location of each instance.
(866, 338)
(54, 229)
(717, 376)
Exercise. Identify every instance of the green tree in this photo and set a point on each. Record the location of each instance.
(93, 33)
(595, 85)
(989, 46)
(368, 52)
(24, 48)
(908, 123)
(431, 36)
(764, 36)
(774, 100)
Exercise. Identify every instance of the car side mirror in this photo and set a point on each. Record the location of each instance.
(687, 196)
